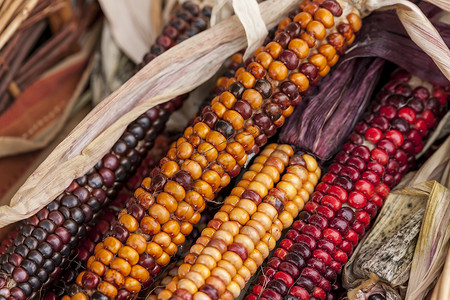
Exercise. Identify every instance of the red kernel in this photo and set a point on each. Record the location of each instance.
(373, 134)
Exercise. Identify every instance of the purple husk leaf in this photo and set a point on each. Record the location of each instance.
(383, 35)
(428, 9)
(321, 125)
(335, 110)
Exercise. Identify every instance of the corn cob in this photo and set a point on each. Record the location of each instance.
(185, 22)
(213, 151)
(377, 154)
(247, 227)
(104, 221)
(46, 240)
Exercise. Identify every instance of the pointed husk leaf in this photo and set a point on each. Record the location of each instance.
(328, 114)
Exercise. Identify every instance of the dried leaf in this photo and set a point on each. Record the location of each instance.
(328, 114)
(396, 251)
(388, 249)
(111, 67)
(177, 71)
(444, 5)
(74, 71)
(419, 28)
(250, 17)
(433, 244)
(441, 290)
(384, 36)
(131, 24)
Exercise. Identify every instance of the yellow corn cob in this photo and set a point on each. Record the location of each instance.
(247, 227)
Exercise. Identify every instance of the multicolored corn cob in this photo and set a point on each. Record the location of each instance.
(377, 154)
(214, 149)
(247, 227)
(46, 240)
(104, 221)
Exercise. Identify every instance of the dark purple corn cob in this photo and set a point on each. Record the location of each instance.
(186, 21)
(377, 154)
(45, 241)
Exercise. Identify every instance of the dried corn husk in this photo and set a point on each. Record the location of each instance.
(409, 239)
(111, 67)
(441, 290)
(248, 13)
(433, 245)
(320, 127)
(419, 28)
(134, 24)
(175, 72)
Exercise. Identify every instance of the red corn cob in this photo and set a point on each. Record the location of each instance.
(377, 154)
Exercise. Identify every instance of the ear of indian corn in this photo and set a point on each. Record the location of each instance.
(244, 231)
(46, 240)
(377, 154)
(214, 149)
(95, 232)
(106, 218)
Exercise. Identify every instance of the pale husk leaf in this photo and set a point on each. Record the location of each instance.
(250, 17)
(442, 290)
(111, 67)
(443, 4)
(177, 71)
(134, 24)
(433, 244)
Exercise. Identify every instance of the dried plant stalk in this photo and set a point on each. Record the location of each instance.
(15, 24)
(6, 16)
